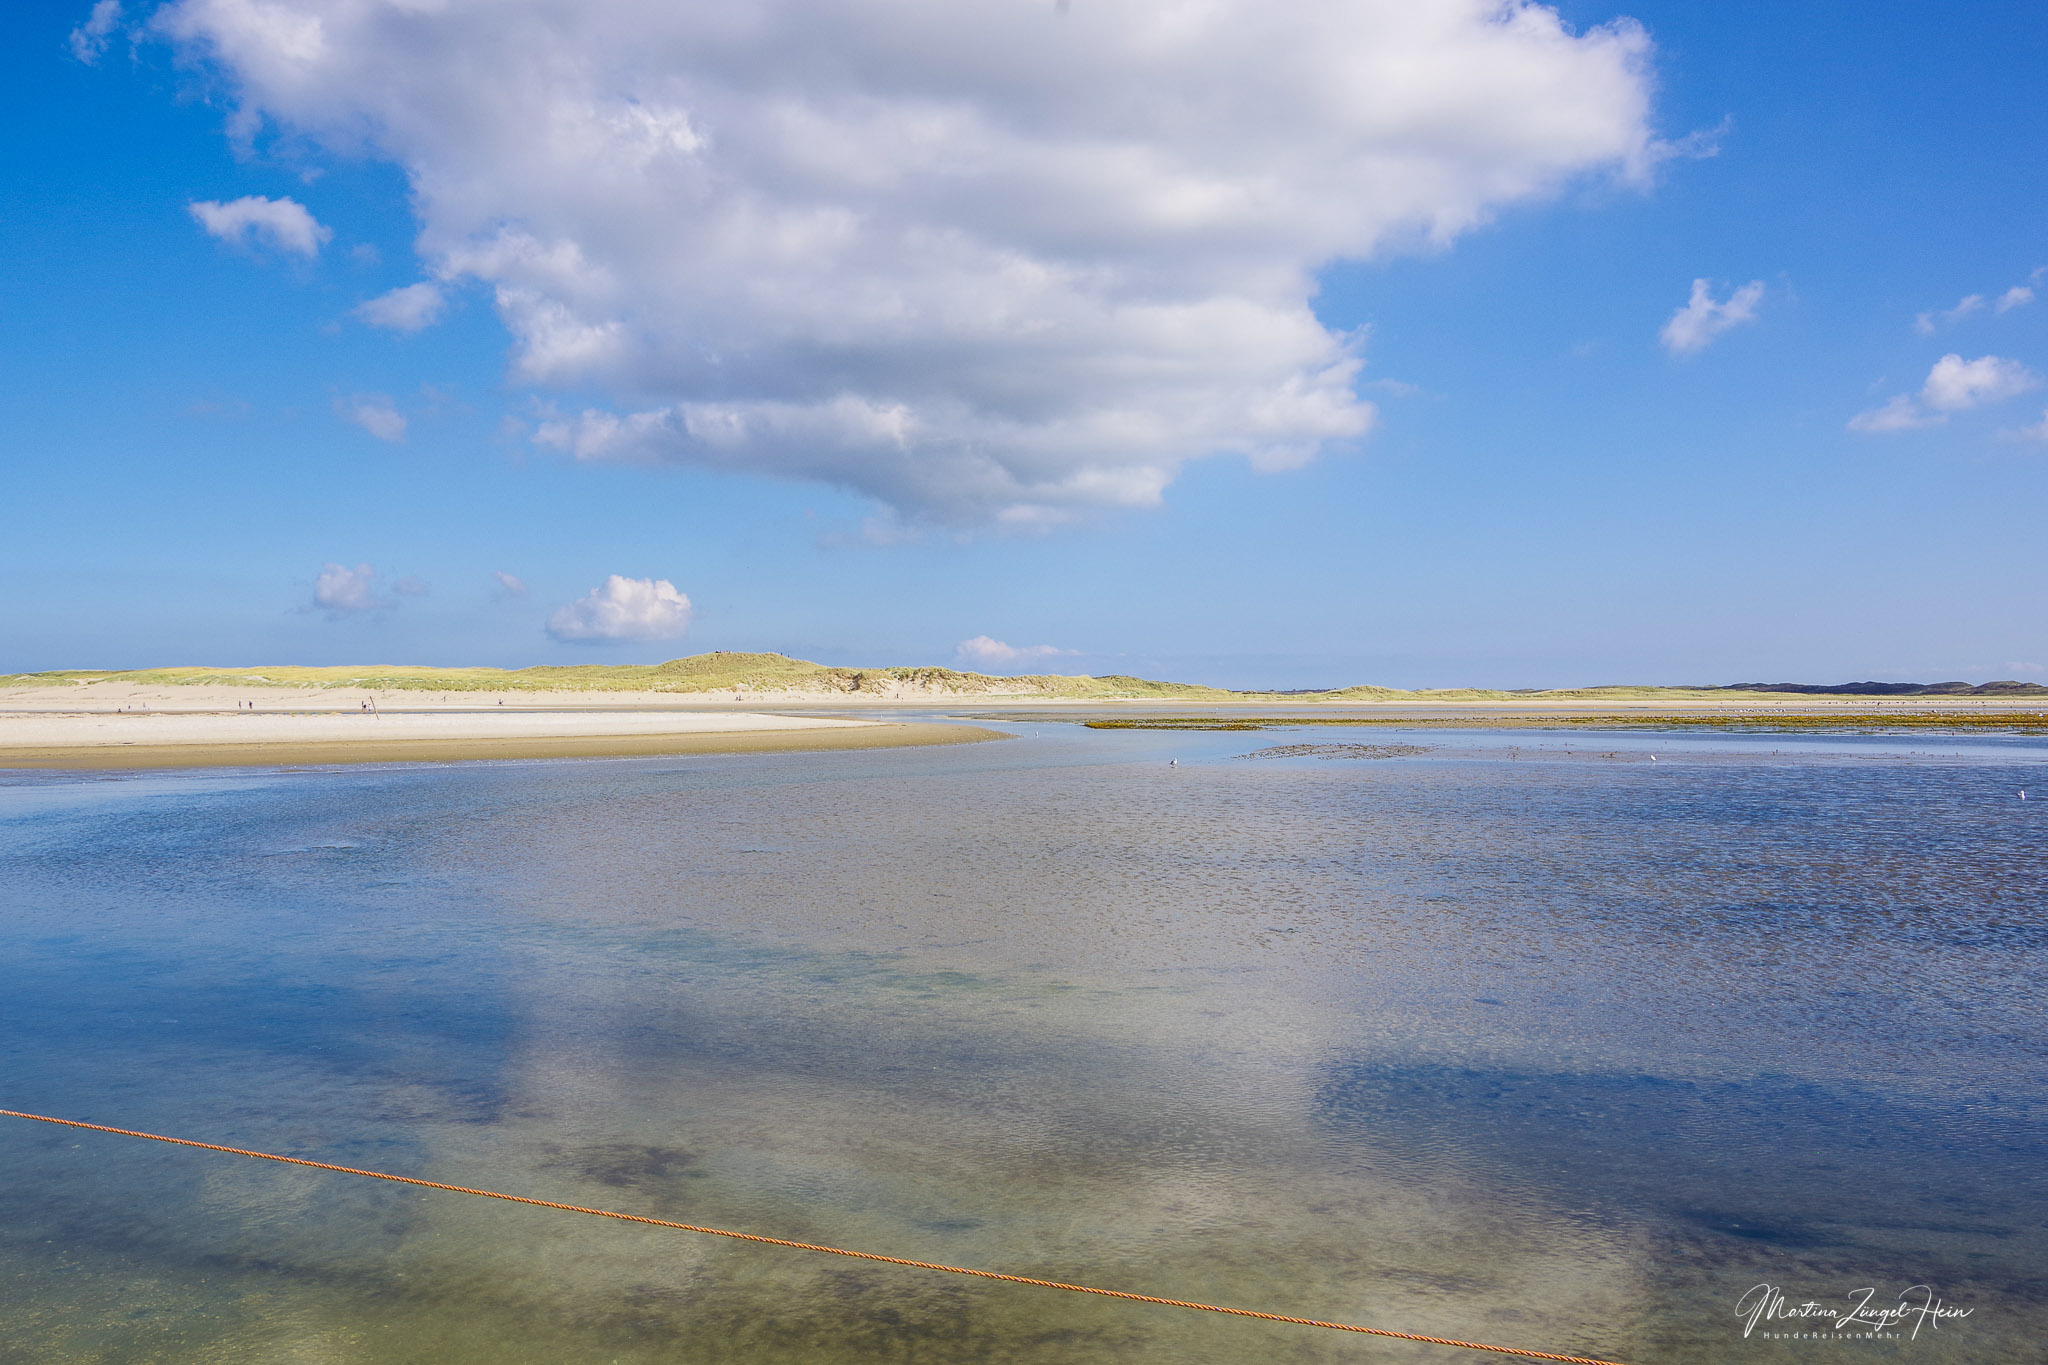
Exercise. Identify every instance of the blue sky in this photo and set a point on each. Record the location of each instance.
(198, 421)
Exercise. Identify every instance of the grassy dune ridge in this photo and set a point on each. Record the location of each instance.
(778, 673)
(721, 672)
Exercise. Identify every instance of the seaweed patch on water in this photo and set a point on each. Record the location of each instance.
(623, 1165)
(2003, 722)
(1341, 751)
(1191, 723)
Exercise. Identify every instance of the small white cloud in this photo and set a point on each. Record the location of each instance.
(1956, 384)
(2018, 296)
(1953, 385)
(374, 413)
(341, 591)
(2036, 432)
(985, 652)
(1693, 328)
(89, 40)
(2022, 667)
(623, 609)
(1927, 323)
(1900, 414)
(508, 584)
(1701, 144)
(285, 224)
(406, 309)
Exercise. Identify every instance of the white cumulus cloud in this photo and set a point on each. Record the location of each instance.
(510, 585)
(1953, 385)
(985, 652)
(2036, 432)
(285, 224)
(89, 40)
(2019, 296)
(1695, 326)
(1956, 384)
(980, 262)
(341, 591)
(374, 413)
(1926, 324)
(623, 608)
(409, 308)
(1899, 414)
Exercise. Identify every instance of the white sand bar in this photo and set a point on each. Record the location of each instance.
(81, 730)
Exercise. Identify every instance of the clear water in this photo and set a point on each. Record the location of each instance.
(1560, 1050)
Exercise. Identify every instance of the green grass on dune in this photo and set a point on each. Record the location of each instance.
(722, 672)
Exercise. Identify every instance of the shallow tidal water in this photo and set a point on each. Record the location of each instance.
(1523, 1039)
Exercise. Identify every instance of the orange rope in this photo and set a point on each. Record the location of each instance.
(813, 1246)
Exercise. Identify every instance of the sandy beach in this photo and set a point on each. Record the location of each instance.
(188, 732)
(130, 725)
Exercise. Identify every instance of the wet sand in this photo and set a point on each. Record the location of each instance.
(242, 739)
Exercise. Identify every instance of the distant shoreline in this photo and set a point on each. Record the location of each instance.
(768, 703)
(244, 703)
(727, 678)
